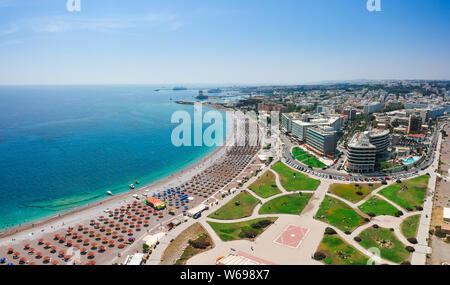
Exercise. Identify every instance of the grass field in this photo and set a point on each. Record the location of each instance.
(410, 226)
(379, 207)
(178, 253)
(338, 252)
(339, 214)
(236, 231)
(409, 193)
(239, 207)
(390, 247)
(353, 192)
(307, 158)
(294, 183)
(289, 204)
(265, 186)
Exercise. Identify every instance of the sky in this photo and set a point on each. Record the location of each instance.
(233, 42)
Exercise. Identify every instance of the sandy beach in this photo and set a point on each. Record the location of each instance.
(90, 224)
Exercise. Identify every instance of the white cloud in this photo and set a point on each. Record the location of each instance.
(53, 24)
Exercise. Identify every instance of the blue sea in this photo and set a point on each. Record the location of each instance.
(64, 146)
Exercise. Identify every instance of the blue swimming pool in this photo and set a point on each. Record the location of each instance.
(410, 160)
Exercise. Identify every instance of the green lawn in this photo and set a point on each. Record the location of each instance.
(296, 151)
(265, 186)
(241, 230)
(339, 214)
(386, 165)
(289, 204)
(352, 192)
(338, 252)
(390, 247)
(409, 193)
(294, 183)
(239, 207)
(410, 226)
(307, 158)
(379, 207)
(314, 162)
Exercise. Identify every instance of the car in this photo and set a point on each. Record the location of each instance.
(196, 216)
(346, 178)
(387, 178)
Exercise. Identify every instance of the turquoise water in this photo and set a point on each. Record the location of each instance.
(62, 147)
(410, 160)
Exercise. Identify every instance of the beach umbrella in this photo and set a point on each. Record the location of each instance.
(32, 263)
(39, 255)
(86, 242)
(10, 263)
(10, 250)
(47, 244)
(47, 259)
(83, 250)
(53, 249)
(26, 246)
(61, 253)
(55, 262)
(102, 248)
(41, 241)
(22, 260)
(67, 257)
(2, 260)
(31, 250)
(92, 262)
(56, 237)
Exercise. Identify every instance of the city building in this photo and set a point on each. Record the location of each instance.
(361, 154)
(364, 148)
(380, 139)
(414, 124)
(416, 137)
(321, 140)
(271, 107)
(373, 107)
(300, 128)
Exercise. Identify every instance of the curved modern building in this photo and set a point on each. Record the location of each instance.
(361, 154)
(363, 149)
(380, 139)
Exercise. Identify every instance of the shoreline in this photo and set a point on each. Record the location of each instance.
(109, 202)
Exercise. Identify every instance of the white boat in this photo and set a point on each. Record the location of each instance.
(109, 193)
(131, 186)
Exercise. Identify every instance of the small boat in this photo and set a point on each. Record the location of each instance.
(109, 193)
(137, 182)
(132, 186)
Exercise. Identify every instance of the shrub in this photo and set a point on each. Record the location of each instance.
(348, 232)
(410, 249)
(409, 209)
(399, 214)
(330, 231)
(405, 263)
(419, 208)
(384, 182)
(199, 244)
(261, 224)
(399, 181)
(357, 239)
(367, 220)
(391, 229)
(372, 214)
(375, 226)
(359, 193)
(412, 240)
(319, 255)
(249, 235)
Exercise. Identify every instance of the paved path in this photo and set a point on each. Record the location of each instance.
(264, 247)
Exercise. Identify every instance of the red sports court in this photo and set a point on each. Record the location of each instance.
(292, 236)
